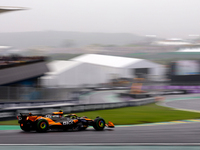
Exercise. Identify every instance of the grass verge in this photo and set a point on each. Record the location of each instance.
(134, 115)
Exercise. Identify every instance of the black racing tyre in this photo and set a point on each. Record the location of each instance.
(42, 125)
(25, 127)
(99, 124)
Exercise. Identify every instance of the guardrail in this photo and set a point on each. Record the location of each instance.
(11, 113)
(27, 94)
(74, 98)
(34, 103)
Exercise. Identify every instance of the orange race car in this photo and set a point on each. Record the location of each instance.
(57, 120)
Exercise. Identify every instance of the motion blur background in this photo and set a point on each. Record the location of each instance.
(54, 52)
(160, 33)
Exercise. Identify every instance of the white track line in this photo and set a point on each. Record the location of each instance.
(108, 144)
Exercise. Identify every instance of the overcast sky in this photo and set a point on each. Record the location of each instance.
(164, 18)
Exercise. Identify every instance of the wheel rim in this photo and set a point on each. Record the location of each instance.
(43, 125)
(101, 123)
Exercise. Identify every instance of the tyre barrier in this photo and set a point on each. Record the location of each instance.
(136, 96)
(174, 92)
(145, 95)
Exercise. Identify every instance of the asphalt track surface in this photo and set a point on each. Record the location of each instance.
(170, 133)
(179, 133)
(192, 103)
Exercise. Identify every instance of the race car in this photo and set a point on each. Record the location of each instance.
(57, 120)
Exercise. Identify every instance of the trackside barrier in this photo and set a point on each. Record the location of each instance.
(73, 97)
(11, 113)
(34, 103)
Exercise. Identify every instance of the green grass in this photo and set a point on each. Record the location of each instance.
(10, 122)
(143, 114)
(135, 115)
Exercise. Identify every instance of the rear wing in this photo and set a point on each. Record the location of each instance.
(25, 114)
(28, 114)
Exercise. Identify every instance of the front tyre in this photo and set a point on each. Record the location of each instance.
(99, 124)
(42, 125)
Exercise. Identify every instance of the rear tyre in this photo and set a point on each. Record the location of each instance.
(42, 125)
(99, 124)
(25, 127)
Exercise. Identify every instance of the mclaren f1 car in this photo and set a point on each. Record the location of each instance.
(57, 120)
